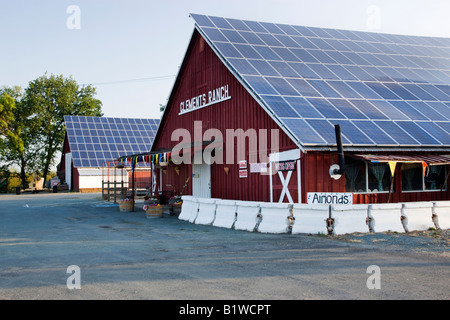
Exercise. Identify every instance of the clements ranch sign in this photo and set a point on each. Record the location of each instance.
(206, 99)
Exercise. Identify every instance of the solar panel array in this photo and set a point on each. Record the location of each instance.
(94, 140)
(383, 89)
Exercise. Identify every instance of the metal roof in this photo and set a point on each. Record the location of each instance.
(94, 140)
(410, 158)
(386, 91)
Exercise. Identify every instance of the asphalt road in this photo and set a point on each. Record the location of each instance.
(126, 256)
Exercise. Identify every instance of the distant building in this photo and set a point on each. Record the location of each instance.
(91, 142)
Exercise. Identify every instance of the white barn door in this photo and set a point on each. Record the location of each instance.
(201, 180)
(68, 170)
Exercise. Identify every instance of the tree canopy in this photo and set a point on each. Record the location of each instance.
(32, 125)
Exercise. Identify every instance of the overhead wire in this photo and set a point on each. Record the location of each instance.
(131, 80)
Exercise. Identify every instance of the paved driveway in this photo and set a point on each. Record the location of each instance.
(124, 255)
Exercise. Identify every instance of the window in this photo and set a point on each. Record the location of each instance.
(412, 176)
(417, 178)
(364, 176)
(435, 178)
(379, 177)
(355, 175)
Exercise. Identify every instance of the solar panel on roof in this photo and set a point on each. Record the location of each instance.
(304, 88)
(354, 134)
(437, 132)
(325, 129)
(303, 107)
(95, 140)
(347, 108)
(418, 133)
(282, 86)
(375, 132)
(397, 86)
(301, 127)
(326, 108)
(280, 106)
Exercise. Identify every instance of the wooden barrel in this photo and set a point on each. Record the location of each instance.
(175, 210)
(126, 206)
(154, 212)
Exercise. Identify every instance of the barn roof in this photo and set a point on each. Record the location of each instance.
(386, 91)
(94, 140)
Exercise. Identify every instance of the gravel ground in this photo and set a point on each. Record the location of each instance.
(125, 256)
(432, 241)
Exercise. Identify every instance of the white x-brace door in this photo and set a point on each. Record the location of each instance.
(285, 156)
(285, 184)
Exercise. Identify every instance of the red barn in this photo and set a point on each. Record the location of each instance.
(253, 110)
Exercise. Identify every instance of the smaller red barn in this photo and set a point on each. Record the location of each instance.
(91, 143)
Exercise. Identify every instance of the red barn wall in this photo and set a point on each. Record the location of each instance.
(316, 166)
(201, 72)
(316, 177)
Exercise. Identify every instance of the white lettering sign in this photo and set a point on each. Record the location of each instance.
(329, 198)
(204, 100)
(258, 167)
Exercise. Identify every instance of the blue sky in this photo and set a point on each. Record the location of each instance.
(145, 41)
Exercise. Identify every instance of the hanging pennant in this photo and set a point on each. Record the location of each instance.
(424, 167)
(392, 165)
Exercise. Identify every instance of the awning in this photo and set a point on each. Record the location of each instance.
(430, 160)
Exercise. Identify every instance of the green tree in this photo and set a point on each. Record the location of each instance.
(7, 107)
(19, 134)
(52, 97)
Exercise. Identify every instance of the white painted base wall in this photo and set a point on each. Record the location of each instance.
(349, 218)
(442, 210)
(225, 214)
(247, 215)
(418, 216)
(275, 218)
(386, 217)
(206, 211)
(311, 219)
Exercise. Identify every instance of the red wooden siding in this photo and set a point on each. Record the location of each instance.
(316, 179)
(201, 72)
(315, 174)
